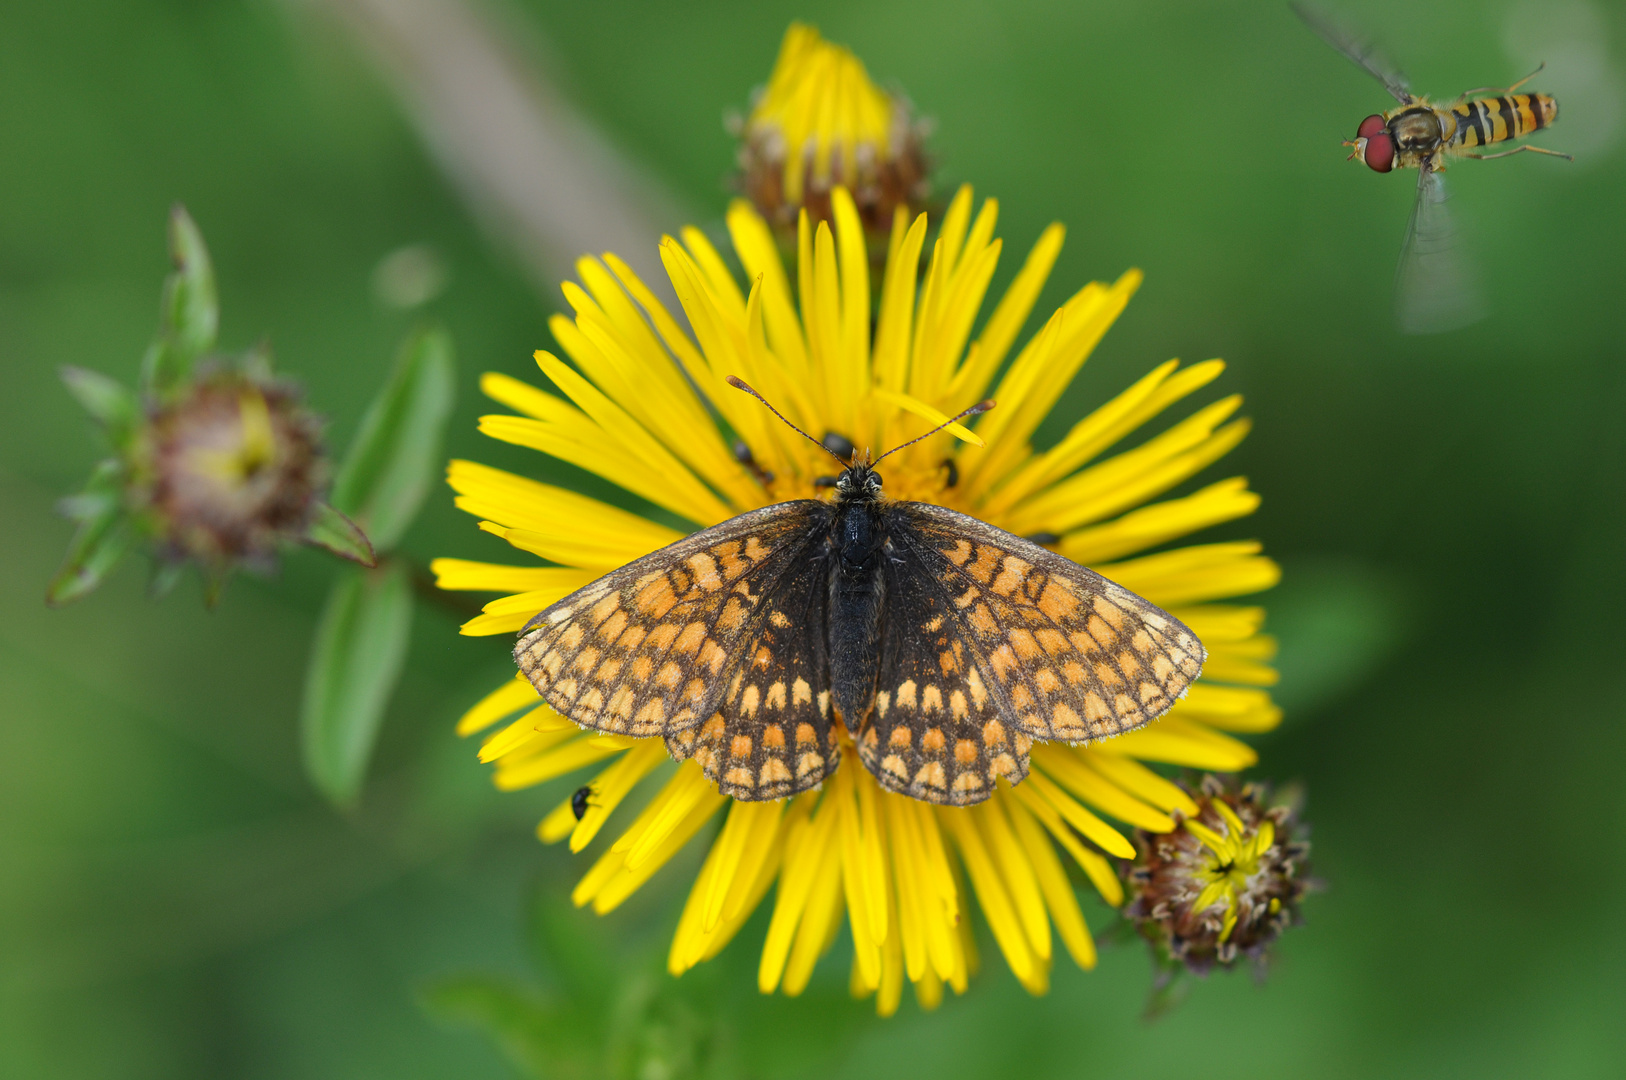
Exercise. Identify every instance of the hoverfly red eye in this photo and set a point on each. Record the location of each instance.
(1370, 127)
(1380, 152)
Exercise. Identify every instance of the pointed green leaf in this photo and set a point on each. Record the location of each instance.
(332, 530)
(97, 546)
(395, 458)
(356, 659)
(107, 400)
(190, 314)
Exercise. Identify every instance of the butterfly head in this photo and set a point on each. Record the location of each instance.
(858, 480)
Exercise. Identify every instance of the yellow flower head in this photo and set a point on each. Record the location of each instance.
(645, 406)
(821, 122)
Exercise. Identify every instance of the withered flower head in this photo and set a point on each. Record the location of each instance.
(214, 460)
(821, 123)
(228, 469)
(1225, 883)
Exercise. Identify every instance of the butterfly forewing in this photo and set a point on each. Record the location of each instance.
(649, 649)
(770, 735)
(935, 732)
(1063, 652)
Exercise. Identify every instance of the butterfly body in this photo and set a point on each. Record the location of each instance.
(942, 645)
(857, 554)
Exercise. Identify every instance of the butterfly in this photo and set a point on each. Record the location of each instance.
(942, 644)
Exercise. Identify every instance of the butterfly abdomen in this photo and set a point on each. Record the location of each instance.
(857, 603)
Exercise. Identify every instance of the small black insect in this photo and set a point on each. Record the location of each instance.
(839, 445)
(578, 801)
(743, 455)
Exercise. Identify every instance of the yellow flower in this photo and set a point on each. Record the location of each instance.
(902, 871)
(821, 122)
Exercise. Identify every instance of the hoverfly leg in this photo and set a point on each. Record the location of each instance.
(1520, 150)
(1466, 94)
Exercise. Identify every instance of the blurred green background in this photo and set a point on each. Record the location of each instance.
(174, 899)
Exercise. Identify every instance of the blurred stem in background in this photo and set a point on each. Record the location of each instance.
(542, 179)
(216, 463)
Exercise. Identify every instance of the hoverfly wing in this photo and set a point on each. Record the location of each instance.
(1362, 52)
(1434, 288)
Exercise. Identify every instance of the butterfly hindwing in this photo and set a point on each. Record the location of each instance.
(648, 649)
(935, 732)
(1068, 654)
(771, 734)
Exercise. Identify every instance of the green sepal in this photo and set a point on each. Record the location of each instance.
(356, 660)
(109, 402)
(333, 530)
(103, 536)
(395, 458)
(190, 315)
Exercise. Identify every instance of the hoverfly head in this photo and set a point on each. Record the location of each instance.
(1373, 144)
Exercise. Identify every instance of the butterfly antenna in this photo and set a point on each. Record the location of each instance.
(975, 410)
(740, 384)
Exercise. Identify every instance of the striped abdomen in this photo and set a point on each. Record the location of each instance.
(1496, 119)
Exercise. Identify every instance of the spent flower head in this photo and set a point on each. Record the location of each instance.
(820, 122)
(214, 462)
(1224, 883)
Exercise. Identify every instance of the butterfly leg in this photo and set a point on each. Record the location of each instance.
(1520, 150)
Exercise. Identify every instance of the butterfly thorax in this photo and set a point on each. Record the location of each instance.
(857, 552)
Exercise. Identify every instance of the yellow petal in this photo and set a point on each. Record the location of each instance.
(1094, 829)
(993, 344)
(1201, 572)
(1096, 868)
(1129, 478)
(1229, 708)
(1180, 742)
(567, 758)
(1016, 871)
(1160, 522)
(992, 898)
(1058, 891)
(462, 574)
(509, 698)
(614, 784)
(1068, 766)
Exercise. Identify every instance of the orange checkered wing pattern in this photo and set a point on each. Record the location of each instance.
(771, 734)
(938, 731)
(993, 641)
(684, 643)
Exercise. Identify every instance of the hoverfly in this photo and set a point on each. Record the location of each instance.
(1433, 290)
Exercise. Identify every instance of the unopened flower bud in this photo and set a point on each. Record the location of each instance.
(229, 468)
(821, 122)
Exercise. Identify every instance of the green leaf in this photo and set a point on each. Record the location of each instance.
(107, 400)
(190, 315)
(100, 542)
(395, 458)
(332, 530)
(360, 646)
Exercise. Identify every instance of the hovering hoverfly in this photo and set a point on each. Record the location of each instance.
(1433, 290)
